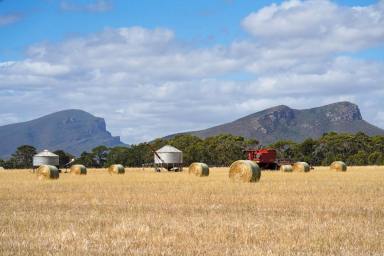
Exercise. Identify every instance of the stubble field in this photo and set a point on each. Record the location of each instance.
(148, 213)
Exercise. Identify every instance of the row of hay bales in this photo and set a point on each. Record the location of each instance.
(241, 170)
(51, 172)
(249, 171)
(338, 166)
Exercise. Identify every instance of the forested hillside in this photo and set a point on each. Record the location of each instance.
(222, 150)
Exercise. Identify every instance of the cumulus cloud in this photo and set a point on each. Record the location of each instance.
(321, 26)
(147, 84)
(96, 6)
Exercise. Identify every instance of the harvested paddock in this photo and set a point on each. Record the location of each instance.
(147, 213)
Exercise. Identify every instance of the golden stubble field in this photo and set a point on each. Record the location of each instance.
(148, 213)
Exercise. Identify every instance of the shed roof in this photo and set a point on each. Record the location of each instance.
(46, 153)
(168, 149)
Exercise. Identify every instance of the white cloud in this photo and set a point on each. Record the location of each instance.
(32, 67)
(147, 84)
(321, 26)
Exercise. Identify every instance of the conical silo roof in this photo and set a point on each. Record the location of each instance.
(168, 149)
(46, 153)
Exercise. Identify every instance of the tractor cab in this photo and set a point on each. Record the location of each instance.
(266, 158)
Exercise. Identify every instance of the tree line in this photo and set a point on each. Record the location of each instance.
(354, 149)
(222, 150)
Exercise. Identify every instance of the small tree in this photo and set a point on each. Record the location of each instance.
(100, 155)
(2, 163)
(119, 155)
(86, 159)
(64, 157)
(360, 158)
(376, 158)
(23, 156)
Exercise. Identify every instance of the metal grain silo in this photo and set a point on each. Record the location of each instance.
(45, 158)
(169, 158)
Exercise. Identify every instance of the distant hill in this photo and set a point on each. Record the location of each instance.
(284, 123)
(73, 131)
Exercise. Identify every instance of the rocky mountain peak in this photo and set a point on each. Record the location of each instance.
(284, 123)
(342, 111)
(73, 131)
(274, 117)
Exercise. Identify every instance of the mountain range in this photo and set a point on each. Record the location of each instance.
(284, 123)
(73, 131)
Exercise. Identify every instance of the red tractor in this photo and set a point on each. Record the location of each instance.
(266, 158)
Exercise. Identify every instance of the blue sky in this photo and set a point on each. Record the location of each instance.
(199, 22)
(229, 51)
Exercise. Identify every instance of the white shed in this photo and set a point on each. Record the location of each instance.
(45, 158)
(168, 155)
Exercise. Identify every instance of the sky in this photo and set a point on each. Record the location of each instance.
(153, 68)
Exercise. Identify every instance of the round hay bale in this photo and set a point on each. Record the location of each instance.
(301, 167)
(78, 169)
(338, 166)
(286, 168)
(199, 169)
(116, 168)
(244, 171)
(47, 172)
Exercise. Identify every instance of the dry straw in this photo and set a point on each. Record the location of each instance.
(338, 166)
(199, 169)
(244, 171)
(301, 167)
(78, 169)
(116, 168)
(47, 172)
(1, 168)
(286, 168)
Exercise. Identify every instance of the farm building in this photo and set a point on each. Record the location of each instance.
(168, 157)
(45, 158)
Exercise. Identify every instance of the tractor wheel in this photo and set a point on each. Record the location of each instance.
(273, 167)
